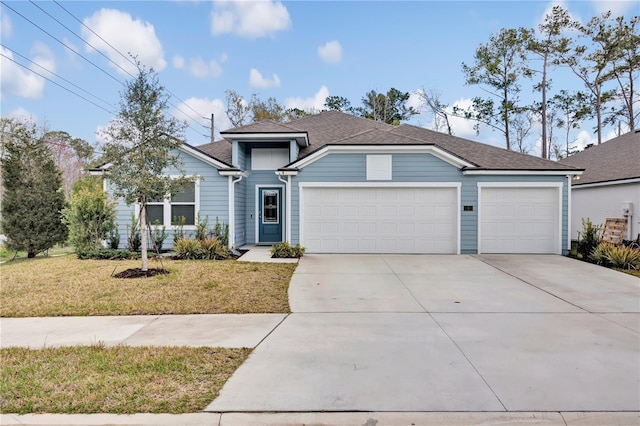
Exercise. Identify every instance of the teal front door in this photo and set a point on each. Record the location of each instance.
(269, 215)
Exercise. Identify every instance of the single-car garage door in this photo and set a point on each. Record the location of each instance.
(519, 220)
(379, 219)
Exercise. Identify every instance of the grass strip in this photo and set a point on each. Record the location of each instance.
(119, 379)
(67, 286)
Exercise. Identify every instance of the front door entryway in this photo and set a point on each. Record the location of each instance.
(269, 215)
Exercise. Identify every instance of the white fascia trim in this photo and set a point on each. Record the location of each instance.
(379, 184)
(387, 149)
(610, 183)
(202, 157)
(557, 185)
(234, 173)
(456, 185)
(522, 172)
(266, 137)
(286, 173)
(520, 184)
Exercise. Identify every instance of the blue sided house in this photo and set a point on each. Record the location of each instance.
(336, 183)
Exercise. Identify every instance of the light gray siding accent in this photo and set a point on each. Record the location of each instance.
(353, 168)
(294, 150)
(416, 168)
(214, 198)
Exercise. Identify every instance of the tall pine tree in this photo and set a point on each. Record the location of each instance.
(32, 195)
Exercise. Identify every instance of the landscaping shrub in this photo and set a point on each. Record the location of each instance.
(202, 228)
(158, 235)
(178, 232)
(589, 238)
(114, 239)
(134, 238)
(107, 254)
(623, 257)
(286, 250)
(187, 248)
(221, 231)
(213, 249)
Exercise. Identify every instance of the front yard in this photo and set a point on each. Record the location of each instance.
(122, 379)
(66, 286)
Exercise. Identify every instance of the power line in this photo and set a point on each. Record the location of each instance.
(130, 61)
(53, 73)
(85, 41)
(58, 40)
(57, 84)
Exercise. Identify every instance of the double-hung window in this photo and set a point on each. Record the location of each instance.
(170, 211)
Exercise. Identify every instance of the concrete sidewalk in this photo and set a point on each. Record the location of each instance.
(221, 330)
(329, 419)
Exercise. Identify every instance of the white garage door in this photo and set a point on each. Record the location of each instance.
(379, 220)
(519, 220)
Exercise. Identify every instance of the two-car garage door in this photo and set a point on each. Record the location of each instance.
(510, 219)
(519, 219)
(379, 219)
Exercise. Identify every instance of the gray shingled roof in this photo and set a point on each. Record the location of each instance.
(337, 128)
(616, 159)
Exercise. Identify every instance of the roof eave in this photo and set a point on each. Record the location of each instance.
(301, 138)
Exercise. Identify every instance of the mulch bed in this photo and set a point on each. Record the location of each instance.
(139, 273)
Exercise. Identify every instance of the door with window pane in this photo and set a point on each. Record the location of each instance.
(269, 215)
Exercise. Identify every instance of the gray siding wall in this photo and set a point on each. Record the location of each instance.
(213, 198)
(414, 168)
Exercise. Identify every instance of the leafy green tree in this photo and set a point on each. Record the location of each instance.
(625, 71)
(548, 47)
(592, 61)
(390, 108)
(32, 192)
(338, 103)
(498, 67)
(72, 156)
(573, 109)
(90, 216)
(138, 151)
(238, 109)
(268, 109)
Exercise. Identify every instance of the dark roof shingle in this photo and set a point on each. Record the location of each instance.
(337, 128)
(616, 159)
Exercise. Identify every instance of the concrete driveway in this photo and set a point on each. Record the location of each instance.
(447, 333)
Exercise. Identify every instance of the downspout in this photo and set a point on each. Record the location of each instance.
(232, 209)
(287, 207)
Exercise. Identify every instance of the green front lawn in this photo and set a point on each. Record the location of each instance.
(66, 286)
(120, 379)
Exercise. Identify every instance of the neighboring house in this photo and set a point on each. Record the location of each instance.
(610, 184)
(336, 183)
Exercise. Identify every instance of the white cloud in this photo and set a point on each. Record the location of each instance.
(314, 103)
(201, 69)
(21, 114)
(257, 80)
(223, 58)
(331, 52)
(44, 57)
(127, 35)
(250, 19)
(178, 62)
(205, 108)
(617, 8)
(17, 80)
(7, 29)
(415, 100)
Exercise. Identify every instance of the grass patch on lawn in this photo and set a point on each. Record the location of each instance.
(629, 271)
(66, 286)
(10, 255)
(120, 379)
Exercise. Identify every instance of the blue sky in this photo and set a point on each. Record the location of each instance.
(298, 52)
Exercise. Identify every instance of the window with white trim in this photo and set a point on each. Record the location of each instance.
(185, 204)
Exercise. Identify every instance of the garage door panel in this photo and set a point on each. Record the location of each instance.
(519, 220)
(381, 220)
